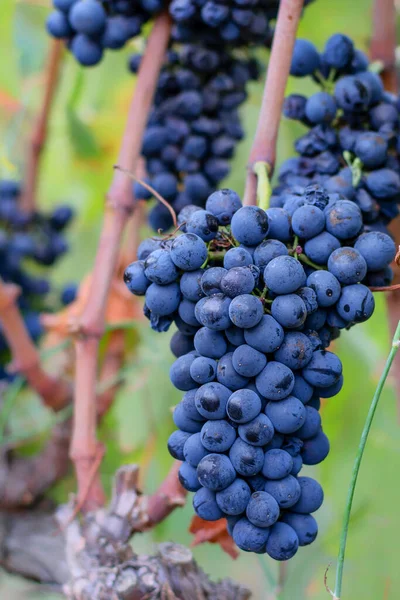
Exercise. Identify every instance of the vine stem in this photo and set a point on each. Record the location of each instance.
(39, 135)
(264, 145)
(55, 393)
(264, 189)
(119, 206)
(383, 41)
(358, 459)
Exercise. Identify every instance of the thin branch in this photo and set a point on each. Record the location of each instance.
(54, 392)
(170, 495)
(84, 445)
(383, 42)
(264, 145)
(357, 462)
(35, 148)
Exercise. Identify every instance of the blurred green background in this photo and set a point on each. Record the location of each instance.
(86, 124)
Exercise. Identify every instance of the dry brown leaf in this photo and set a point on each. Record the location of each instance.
(121, 307)
(214, 532)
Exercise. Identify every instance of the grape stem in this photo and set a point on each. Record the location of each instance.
(358, 459)
(265, 139)
(264, 189)
(40, 128)
(85, 448)
(55, 393)
(303, 258)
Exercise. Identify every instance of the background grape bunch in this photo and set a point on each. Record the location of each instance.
(26, 242)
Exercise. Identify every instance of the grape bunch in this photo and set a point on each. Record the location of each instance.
(257, 296)
(194, 126)
(234, 22)
(26, 241)
(92, 26)
(352, 145)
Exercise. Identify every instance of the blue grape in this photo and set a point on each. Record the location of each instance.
(217, 436)
(159, 267)
(309, 298)
(290, 311)
(237, 257)
(371, 149)
(275, 381)
(308, 221)
(247, 361)
(352, 94)
(215, 472)
(227, 375)
(286, 491)
(184, 422)
(301, 389)
(316, 449)
(176, 442)
(339, 51)
(383, 184)
(193, 449)
(188, 477)
(311, 426)
(203, 369)
(249, 225)
(348, 265)
(245, 311)
(378, 249)
(262, 509)
(287, 416)
(190, 285)
(311, 496)
(163, 300)
(180, 372)
(210, 343)
(265, 337)
(214, 312)
(267, 250)
(323, 370)
(320, 108)
(344, 220)
(279, 224)
(211, 400)
(235, 335)
(223, 204)
(204, 224)
(57, 25)
(305, 526)
(284, 275)
(86, 51)
(237, 281)
(211, 280)
(245, 458)
(135, 278)
(277, 464)
(257, 432)
(295, 351)
(356, 303)
(188, 252)
(205, 505)
(243, 406)
(189, 405)
(248, 537)
(305, 58)
(282, 543)
(87, 17)
(326, 286)
(234, 499)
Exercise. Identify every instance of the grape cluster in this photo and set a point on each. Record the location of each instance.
(92, 26)
(352, 145)
(27, 240)
(194, 126)
(234, 22)
(257, 296)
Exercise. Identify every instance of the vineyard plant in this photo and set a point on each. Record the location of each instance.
(199, 299)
